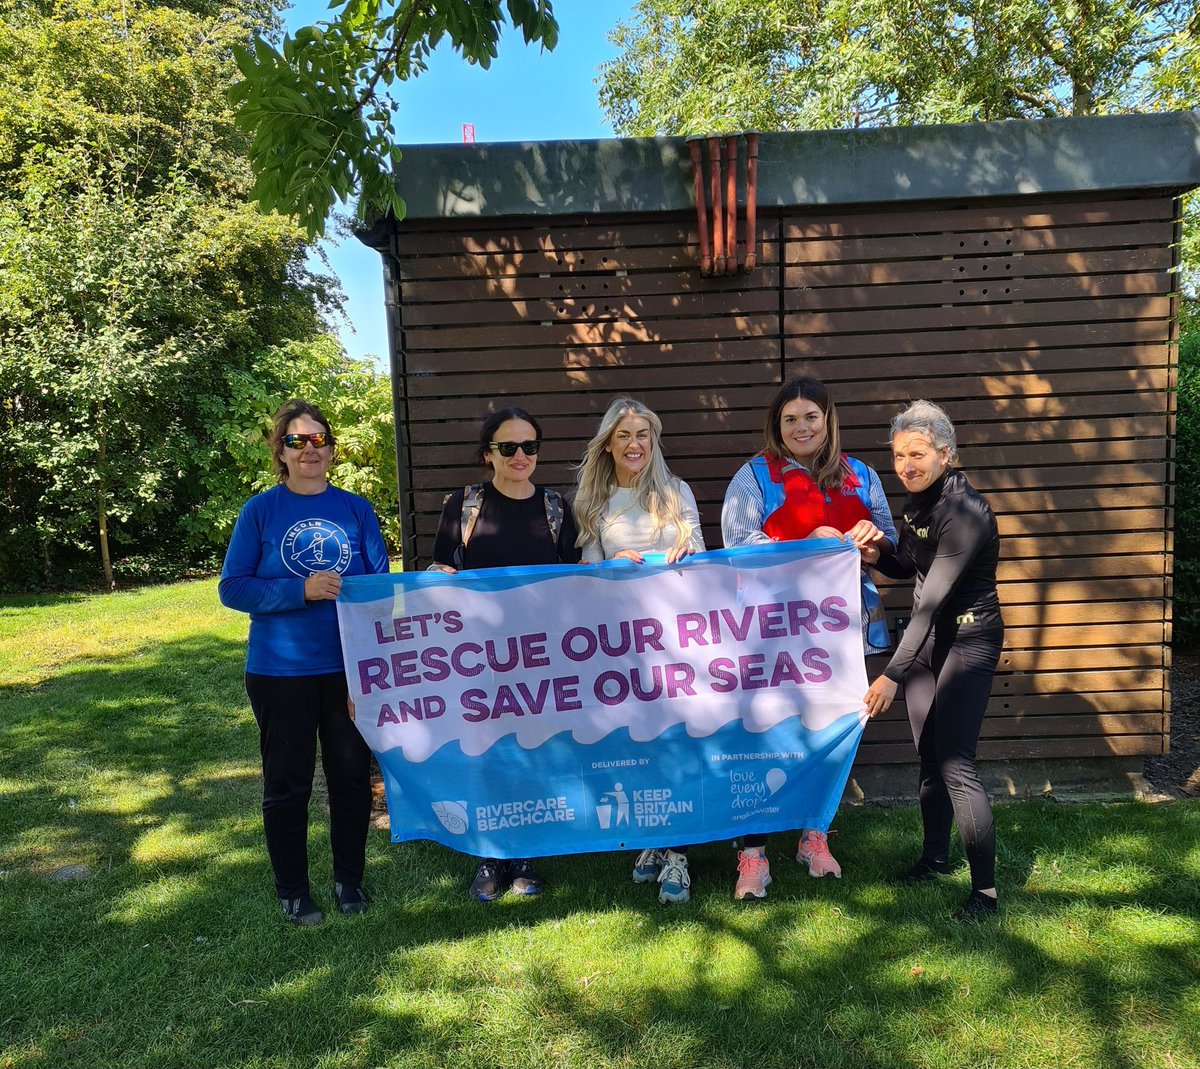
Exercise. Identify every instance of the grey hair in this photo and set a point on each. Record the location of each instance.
(924, 417)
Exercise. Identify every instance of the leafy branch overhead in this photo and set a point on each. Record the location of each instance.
(698, 66)
(317, 110)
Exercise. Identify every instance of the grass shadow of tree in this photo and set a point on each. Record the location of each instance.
(172, 953)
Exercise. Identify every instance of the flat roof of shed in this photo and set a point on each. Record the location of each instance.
(823, 167)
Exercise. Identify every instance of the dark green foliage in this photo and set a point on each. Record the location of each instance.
(138, 288)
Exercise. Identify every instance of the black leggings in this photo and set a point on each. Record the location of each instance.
(946, 692)
(292, 712)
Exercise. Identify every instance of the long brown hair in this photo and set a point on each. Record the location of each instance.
(827, 467)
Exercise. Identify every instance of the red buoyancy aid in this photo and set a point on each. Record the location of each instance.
(795, 506)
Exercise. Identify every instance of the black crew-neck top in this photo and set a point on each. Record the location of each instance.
(508, 532)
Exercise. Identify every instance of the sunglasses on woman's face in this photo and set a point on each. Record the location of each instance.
(509, 449)
(319, 439)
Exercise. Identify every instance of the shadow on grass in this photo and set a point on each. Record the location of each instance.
(172, 955)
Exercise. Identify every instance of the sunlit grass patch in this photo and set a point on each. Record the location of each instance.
(129, 748)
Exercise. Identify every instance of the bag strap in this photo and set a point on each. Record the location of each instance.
(472, 501)
(554, 513)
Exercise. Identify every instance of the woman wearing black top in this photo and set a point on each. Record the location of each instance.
(505, 522)
(946, 660)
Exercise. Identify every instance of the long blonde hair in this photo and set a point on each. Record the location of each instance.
(655, 489)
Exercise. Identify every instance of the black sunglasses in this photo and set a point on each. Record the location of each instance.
(319, 439)
(509, 449)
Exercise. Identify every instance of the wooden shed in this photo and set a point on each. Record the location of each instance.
(1019, 273)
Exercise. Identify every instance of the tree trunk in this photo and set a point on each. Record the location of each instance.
(102, 504)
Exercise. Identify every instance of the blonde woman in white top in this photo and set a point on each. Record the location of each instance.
(627, 505)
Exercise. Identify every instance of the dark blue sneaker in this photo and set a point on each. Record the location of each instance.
(924, 870)
(978, 907)
(351, 900)
(522, 880)
(488, 884)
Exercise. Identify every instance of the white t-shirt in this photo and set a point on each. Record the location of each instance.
(625, 525)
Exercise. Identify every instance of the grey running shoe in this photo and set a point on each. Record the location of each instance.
(674, 882)
(488, 884)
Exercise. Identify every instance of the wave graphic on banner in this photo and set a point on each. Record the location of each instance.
(758, 634)
(620, 794)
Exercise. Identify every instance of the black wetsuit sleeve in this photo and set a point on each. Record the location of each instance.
(895, 563)
(449, 532)
(962, 535)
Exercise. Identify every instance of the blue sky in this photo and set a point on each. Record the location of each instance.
(527, 95)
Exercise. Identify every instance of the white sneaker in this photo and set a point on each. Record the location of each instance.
(674, 881)
(648, 866)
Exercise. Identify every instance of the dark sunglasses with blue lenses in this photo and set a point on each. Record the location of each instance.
(319, 439)
(509, 449)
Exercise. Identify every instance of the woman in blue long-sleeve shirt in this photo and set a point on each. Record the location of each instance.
(290, 548)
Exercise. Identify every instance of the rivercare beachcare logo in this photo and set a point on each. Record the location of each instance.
(455, 816)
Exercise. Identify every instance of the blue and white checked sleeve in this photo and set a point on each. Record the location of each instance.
(742, 513)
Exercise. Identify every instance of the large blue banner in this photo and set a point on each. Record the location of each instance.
(520, 712)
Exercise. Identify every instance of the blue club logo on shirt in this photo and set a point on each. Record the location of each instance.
(312, 546)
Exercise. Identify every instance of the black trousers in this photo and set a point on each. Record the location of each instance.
(946, 692)
(292, 713)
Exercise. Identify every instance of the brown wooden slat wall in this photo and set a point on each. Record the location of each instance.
(1044, 327)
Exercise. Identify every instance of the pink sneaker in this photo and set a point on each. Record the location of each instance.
(813, 851)
(754, 874)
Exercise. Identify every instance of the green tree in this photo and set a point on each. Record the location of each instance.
(700, 66)
(317, 110)
(136, 279)
(88, 277)
(355, 397)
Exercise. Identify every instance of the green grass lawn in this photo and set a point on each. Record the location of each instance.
(126, 745)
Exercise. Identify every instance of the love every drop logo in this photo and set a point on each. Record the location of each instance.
(750, 790)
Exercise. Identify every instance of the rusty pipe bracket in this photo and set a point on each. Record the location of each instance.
(718, 222)
(751, 259)
(731, 155)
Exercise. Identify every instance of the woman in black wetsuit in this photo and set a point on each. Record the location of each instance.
(946, 660)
